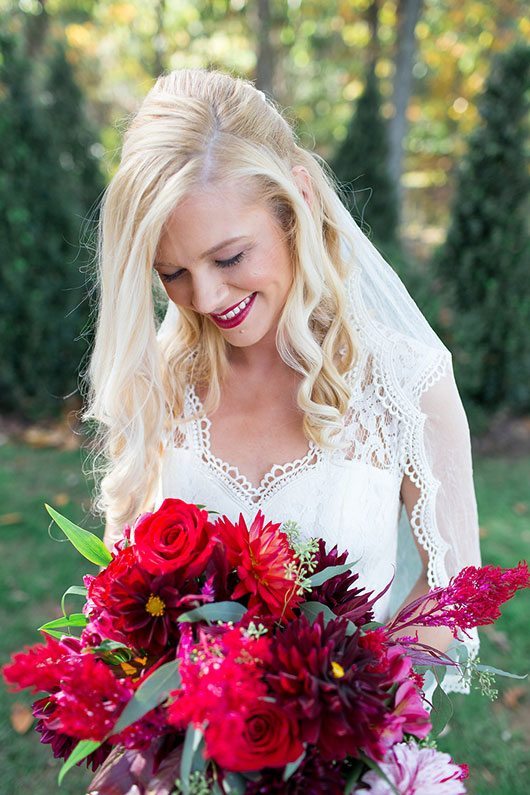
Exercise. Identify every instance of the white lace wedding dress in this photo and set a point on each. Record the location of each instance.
(405, 417)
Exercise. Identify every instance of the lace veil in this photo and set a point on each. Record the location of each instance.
(414, 376)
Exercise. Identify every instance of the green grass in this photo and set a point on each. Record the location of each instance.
(35, 571)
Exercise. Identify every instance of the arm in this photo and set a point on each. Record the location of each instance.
(439, 496)
(438, 637)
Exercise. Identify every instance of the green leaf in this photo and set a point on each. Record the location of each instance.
(215, 611)
(192, 741)
(79, 590)
(292, 767)
(234, 783)
(328, 573)
(375, 767)
(73, 620)
(442, 710)
(152, 692)
(89, 545)
(353, 777)
(55, 634)
(312, 609)
(83, 749)
(499, 672)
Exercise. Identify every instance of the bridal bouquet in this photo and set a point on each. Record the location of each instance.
(216, 657)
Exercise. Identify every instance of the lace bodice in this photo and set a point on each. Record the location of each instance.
(404, 410)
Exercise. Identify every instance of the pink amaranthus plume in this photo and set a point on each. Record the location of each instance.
(471, 599)
(86, 696)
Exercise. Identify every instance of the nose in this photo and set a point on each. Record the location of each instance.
(209, 294)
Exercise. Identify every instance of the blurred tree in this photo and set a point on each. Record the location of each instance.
(46, 187)
(361, 165)
(408, 13)
(484, 263)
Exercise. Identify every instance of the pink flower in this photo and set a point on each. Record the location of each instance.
(471, 599)
(417, 771)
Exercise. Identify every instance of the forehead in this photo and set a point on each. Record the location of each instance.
(207, 216)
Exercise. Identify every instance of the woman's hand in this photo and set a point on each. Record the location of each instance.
(439, 638)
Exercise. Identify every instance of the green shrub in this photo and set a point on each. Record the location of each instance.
(48, 182)
(361, 165)
(484, 264)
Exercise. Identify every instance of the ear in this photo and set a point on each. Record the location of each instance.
(303, 180)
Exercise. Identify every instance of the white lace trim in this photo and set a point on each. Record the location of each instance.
(251, 495)
(401, 375)
(395, 360)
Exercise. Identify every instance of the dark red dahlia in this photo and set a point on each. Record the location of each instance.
(337, 593)
(326, 679)
(314, 776)
(61, 744)
(144, 608)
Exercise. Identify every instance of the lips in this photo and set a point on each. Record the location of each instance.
(227, 323)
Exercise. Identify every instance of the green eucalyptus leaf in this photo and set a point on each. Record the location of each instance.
(152, 692)
(311, 611)
(326, 574)
(89, 545)
(234, 784)
(292, 767)
(215, 611)
(83, 749)
(192, 741)
(442, 710)
(498, 672)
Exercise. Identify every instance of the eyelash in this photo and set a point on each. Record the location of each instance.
(223, 263)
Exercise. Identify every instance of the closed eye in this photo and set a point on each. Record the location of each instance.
(222, 263)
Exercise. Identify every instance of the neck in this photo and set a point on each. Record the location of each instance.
(261, 358)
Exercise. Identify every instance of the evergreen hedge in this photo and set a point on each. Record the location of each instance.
(49, 181)
(484, 264)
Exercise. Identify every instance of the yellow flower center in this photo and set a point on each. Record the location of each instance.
(338, 670)
(155, 605)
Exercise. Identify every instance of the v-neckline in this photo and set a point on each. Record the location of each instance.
(230, 475)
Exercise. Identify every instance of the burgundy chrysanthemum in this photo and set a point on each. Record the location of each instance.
(337, 593)
(334, 686)
(314, 776)
(144, 608)
(62, 745)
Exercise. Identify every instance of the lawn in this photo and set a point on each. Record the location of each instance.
(492, 737)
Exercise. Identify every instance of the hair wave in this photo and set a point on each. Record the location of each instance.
(196, 127)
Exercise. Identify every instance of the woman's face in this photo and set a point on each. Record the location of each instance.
(228, 260)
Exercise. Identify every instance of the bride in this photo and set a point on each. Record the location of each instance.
(292, 371)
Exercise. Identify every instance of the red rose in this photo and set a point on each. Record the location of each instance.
(264, 736)
(177, 536)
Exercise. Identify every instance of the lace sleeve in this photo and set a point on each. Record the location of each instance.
(437, 458)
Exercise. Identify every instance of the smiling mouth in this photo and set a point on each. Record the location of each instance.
(235, 314)
(234, 310)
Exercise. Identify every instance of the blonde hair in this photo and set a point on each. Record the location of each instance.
(197, 127)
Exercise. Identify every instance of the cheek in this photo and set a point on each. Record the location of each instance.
(179, 294)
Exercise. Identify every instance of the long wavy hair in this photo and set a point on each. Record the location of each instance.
(199, 127)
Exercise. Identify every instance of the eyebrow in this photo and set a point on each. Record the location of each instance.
(212, 250)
